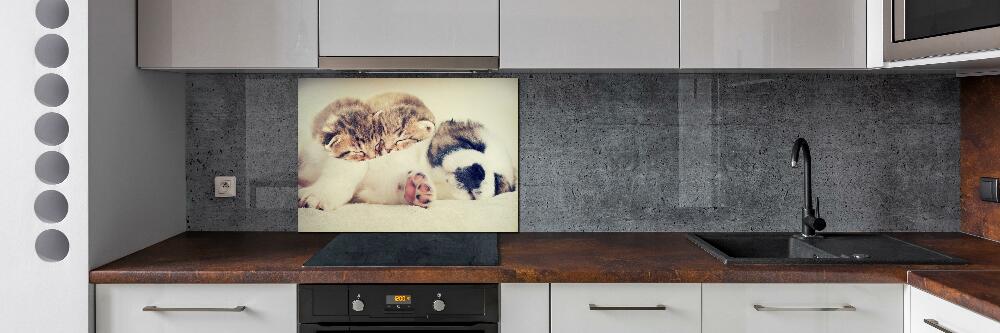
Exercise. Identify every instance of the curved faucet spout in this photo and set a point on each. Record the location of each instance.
(807, 188)
(800, 144)
(810, 222)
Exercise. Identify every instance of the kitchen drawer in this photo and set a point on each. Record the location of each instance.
(774, 308)
(949, 317)
(773, 34)
(406, 28)
(192, 34)
(597, 34)
(269, 308)
(524, 308)
(672, 308)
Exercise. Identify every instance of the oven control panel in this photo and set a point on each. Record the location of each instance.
(398, 303)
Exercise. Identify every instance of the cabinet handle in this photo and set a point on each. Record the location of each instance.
(240, 308)
(594, 307)
(848, 307)
(935, 324)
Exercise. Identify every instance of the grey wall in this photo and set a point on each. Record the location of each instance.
(640, 152)
(136, 140)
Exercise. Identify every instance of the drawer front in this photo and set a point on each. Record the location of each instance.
(571, 310)
(730, 308)
(946, 315)
(269, 308)
(524, 308)
(227, 33)
(406, 28)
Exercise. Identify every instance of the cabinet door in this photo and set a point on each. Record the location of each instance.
(930, 314)
(816, 308)
(589, 34)
(626, 307)
(407, 28)
(227, 33)
(269, 308)
(773, 34)
(524, 308)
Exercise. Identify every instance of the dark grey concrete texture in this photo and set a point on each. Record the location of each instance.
(639, 152)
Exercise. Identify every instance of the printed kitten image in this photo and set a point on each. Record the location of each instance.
(361, 138)
(408, 154)
(358, 131)
(472, 163)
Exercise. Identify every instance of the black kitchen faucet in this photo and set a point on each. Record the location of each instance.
(810, 221)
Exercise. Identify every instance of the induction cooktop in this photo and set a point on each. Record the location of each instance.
(408, 249)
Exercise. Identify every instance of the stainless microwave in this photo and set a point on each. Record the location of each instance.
(916, 29)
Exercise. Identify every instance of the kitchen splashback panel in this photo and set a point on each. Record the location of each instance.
(638, 152)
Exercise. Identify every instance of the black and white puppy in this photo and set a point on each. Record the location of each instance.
(471, 162)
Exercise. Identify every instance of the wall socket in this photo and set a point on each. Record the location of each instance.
(225, 187)
(988, 189)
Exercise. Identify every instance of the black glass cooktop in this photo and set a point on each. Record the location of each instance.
(409, 249)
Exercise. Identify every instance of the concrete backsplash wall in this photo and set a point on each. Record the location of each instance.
(639, 152)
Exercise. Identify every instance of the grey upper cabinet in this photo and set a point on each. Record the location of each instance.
(587, 34)
(408, 28)
(774, 34)
(193, 34)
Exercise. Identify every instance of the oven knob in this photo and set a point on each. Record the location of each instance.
(358, 305)
(438, 305)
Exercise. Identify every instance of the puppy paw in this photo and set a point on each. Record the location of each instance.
(308, 199)
(417, 189)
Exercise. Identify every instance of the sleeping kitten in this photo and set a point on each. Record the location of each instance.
(352, 130)
(361, 138)
(471, 162)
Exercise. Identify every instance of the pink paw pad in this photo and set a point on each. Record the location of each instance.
(417, 190)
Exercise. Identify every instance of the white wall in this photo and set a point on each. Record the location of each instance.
(125, 150)
(137, 187)
(38, 295)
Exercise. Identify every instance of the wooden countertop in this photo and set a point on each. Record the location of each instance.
(277, 257)
(978, 291)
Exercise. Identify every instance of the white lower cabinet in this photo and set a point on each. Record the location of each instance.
(196, 308)
(524, 307)
(625, 307)
(816, 308)
(930, 314)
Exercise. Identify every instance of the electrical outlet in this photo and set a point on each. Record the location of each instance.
(225, 187)
(988, 189)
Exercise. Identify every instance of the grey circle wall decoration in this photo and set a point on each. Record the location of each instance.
(52, 167)
(51, 50)
(51, 90)
(52, 245)
(51, 206)
(52, 13)
(52, 129)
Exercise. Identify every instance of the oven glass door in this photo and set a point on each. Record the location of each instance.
(916, 19)
(476, 328)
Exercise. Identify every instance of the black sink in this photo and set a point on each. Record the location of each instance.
(786, 248)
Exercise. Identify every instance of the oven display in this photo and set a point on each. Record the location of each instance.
(396, 303)
(398, 299)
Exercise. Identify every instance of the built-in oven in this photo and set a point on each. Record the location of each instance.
(385, 308)
(928, 28)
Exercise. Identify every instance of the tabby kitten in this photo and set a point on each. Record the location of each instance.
(360, 136)
(356, 131)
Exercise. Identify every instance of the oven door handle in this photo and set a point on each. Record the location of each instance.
(481, 327)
